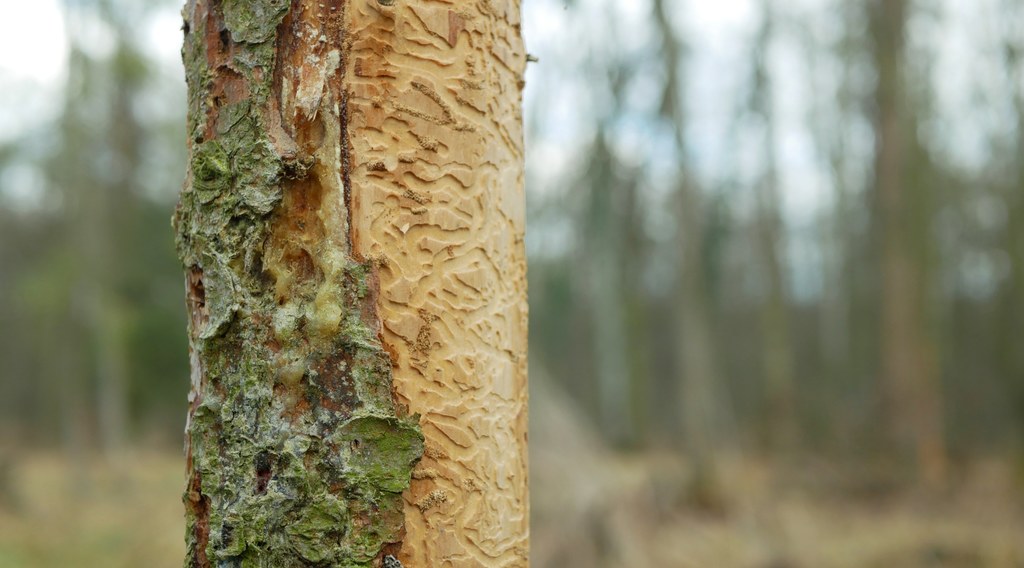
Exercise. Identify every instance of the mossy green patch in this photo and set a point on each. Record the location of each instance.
(253, 21)
(211, 171)
(381, 452)
(317, 533)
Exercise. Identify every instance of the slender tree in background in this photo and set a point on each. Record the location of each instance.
(351, 230)
(781, 424)
(910, 380)
(831, 128)
(109, 316)
(1012, 293)
(695, 355)
(605, 224)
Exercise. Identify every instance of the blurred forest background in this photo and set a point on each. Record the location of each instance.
(776, 283)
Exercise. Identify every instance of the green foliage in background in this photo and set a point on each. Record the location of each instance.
(91, 309)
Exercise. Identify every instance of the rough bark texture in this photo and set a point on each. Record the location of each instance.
(351, 229)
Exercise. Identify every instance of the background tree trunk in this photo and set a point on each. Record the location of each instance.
(695, 356)
(352, 236)
(781, 420)
(910, 388)
(1012, 297)
(606, 225)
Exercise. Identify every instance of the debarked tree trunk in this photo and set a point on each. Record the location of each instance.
(352, 234)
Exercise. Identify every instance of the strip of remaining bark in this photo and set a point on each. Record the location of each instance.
(297, 452)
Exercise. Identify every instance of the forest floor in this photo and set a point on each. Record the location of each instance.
(644, 514)
(58, 513)
(590, 509)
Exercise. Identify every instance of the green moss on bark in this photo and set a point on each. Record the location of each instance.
(254, 21)
(299, 455)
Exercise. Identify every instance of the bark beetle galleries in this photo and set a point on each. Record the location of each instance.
(437, 200)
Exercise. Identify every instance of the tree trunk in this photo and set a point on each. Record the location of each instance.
(909, 368)
(695, 354)
(781, 424)
(605, 229)
(352, 234)
(1012, 297)
(835, 319)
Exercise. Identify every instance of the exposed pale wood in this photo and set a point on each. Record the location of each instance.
(437, 202)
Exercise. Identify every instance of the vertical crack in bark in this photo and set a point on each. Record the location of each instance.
(346, 165)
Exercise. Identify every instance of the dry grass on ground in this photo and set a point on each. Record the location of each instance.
(95, 515)
(591, 509)
(636, 512)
